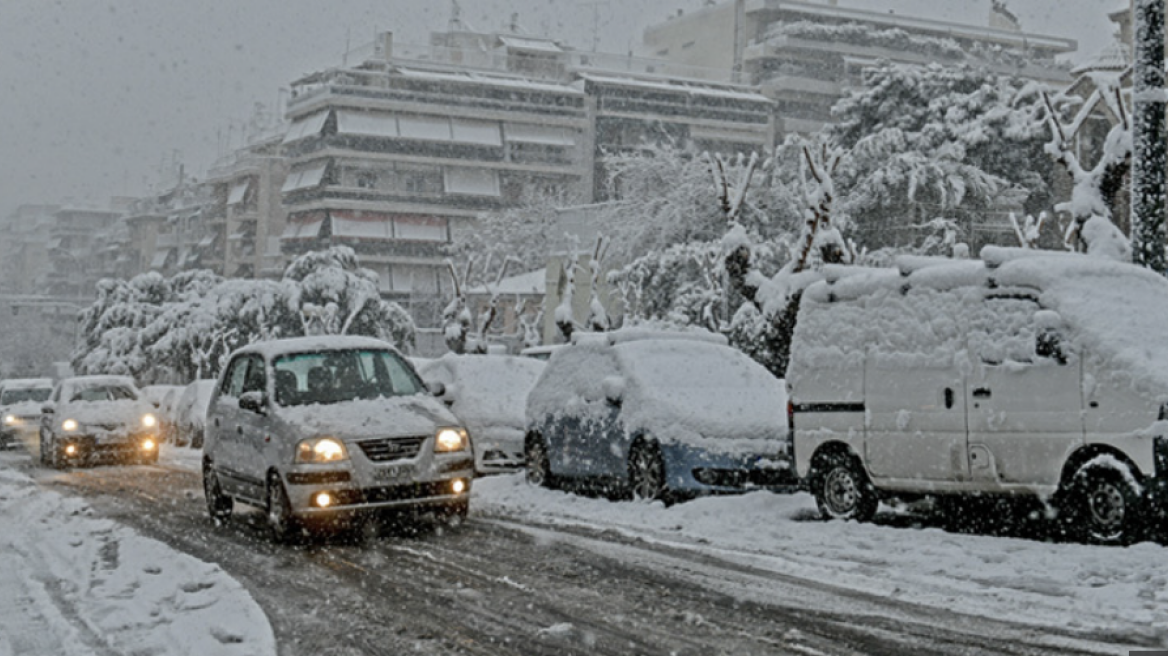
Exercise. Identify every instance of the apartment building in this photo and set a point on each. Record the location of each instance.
(395, 154)
(26, 237)
(806, 55)
(77, 249)
(245, 217)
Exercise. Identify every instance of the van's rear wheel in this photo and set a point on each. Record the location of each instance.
(842, 489)
(1103, 505)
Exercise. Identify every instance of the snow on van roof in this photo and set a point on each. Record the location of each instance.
(279, 347)
(1117, 313)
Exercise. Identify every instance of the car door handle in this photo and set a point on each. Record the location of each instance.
(982, 393)
(239, 430)
(949, 398)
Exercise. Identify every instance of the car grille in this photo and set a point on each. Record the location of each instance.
(392, 448)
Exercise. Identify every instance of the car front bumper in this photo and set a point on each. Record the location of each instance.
(691, 469)
(106, 446)
(439, 482)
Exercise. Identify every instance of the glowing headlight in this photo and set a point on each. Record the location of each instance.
(148, 445)
(149, 421)
(69, 425)
(450, 439)
(10, 420)
(321, 449)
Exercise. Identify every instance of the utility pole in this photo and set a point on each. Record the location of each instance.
(1148, 228)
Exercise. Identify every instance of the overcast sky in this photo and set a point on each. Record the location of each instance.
(98, 96)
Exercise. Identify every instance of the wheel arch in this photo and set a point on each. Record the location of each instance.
(1088, 453)
(832, 448)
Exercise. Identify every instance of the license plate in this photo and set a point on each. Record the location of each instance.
(394, 473)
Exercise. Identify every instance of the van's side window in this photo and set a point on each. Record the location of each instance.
(1003, 330)
(1048, 344)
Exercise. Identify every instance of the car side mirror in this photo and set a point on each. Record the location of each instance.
(437, 388)
(253, 402)
(48, 409)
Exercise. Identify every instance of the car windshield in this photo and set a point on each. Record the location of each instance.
(103, 392)
(336, 376)
(26, 394)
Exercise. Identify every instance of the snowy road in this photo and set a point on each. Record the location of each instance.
(522, 577)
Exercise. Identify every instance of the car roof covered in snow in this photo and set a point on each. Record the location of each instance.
(86, 381)
(26, 383)
(278, 347)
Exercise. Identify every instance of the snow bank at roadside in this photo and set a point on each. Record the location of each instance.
(1079, 588)
(74, 584)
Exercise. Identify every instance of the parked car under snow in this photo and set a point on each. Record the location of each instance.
(320, 430)
(92, 418)
(488, 393)
(657, 415)
(20, 409)
(190, 413)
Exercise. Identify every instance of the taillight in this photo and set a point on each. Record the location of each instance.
(790, 414)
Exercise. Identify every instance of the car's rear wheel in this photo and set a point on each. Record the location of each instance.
(842, 489)
(1103, 506)
(219, 505)
(647, 472)
(537, 468)
(281, 521)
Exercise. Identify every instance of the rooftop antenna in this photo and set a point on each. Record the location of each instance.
(595, 20)
(455, 17)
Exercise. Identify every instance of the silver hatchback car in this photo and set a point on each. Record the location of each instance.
(317, 430)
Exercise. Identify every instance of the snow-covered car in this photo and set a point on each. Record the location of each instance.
(488, 393)
(93, 418)
(190, 413)
(1024, 374)
(20, 409)
(317, 430)
(660, 415)
(163, 398)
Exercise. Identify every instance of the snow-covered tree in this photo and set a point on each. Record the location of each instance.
(927, 142)
(1094, 191)
(176, 330)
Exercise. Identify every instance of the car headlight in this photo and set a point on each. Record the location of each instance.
(69, 425)
(11, 420)
(149, 420)
(450, 439)
(321, 449)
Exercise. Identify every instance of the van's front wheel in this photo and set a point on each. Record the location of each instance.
(841, 488)
(1103, 504)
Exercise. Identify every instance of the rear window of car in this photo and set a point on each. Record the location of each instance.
(343, 375)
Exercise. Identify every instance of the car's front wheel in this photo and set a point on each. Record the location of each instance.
(537, 468)
(219, 505)
(647, 472)
(281, 521)
(842, 489)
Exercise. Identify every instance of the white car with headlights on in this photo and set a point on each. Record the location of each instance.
(92, 418)
(20, 408)
(321, 430)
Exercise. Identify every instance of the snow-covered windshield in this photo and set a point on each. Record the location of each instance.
(103, 392)
(12, 396)
(343, 375)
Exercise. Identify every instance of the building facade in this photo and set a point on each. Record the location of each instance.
(806, 55)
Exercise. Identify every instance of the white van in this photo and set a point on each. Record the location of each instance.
(1023, 373)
